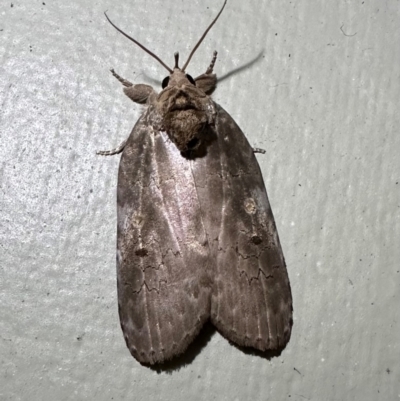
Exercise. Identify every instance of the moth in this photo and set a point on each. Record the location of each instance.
(196, 238)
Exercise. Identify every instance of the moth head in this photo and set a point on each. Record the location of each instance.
(177, 77)
(206, 82)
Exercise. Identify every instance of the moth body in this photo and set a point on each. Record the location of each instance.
(196, 237)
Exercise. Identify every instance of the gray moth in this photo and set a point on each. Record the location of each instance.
(196, 237)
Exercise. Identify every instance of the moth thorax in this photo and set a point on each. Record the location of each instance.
(181, 101)
(184, 128)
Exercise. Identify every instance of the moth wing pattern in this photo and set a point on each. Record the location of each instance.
(162, 255)
(251, 302)
(197, 240)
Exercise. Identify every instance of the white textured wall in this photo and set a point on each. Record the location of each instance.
(321, 99)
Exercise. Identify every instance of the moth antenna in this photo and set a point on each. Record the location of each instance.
(139, 44)
(176, 55)
(204, 35)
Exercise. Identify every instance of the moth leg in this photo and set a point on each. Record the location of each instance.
(139, 93)
(258, 150)
(111, 152)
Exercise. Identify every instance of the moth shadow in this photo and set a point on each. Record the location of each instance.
(262, 354)
(191, 352)
(242, 67)
(157, 82)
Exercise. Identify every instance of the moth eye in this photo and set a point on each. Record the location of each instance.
(192, 143)
(191, 80)
(165, 82)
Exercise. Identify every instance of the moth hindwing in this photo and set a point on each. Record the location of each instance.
(197, 239)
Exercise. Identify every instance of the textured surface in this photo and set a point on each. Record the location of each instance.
(324, 106)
